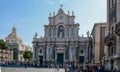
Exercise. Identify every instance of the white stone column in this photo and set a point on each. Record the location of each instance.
(75, 34)
(70, 53)
(37, 53)
(56, 32)
(73, 57)
(64, 57)
(51, 32)
(47, 52)
(66, 33)
(33, 53)
(51, 53)
(118, 11)
(70, 32)
(55, 55)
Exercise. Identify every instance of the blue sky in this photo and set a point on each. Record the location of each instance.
(29, 16)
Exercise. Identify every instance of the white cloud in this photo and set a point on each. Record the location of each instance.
(49, 1)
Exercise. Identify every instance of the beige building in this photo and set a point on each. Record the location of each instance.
(98, 35)
(112, 40)
(15, 43)
(6, 55)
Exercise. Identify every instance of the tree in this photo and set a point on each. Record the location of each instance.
(28, 55)
(3, 46)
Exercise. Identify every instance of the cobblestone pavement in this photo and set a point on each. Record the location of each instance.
(6, 69)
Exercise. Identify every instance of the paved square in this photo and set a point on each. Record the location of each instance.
(0, 69)
(5, 69)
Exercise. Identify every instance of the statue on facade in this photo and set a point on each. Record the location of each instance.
(35, 36)
(88, 33)
(61, 32)
(61, 35)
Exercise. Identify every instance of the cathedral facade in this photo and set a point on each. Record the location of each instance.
(61, 42)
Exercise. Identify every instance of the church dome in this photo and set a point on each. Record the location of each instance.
(13, 35)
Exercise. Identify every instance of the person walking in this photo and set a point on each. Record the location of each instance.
(58, 68)
(3, 63)
(84, 68)
(25, 64)
(55, 68)
(90, 68)
(99, 68)
(66, 68)
(114, 70)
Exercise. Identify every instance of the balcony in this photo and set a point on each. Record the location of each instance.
(110, 39)
(117, 30)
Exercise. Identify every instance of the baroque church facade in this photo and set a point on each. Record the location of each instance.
(61, 42)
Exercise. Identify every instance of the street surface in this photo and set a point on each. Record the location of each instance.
(10, 69)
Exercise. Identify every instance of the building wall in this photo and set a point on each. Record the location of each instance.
(113, 18)
(7, 55)
(98, 35)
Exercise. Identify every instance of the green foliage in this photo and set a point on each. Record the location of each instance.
(28, 55)
(3, 45)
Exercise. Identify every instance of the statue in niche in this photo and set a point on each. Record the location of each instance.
(60, 32)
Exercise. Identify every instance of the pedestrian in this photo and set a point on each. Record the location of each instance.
(36, 65)
(66, 68)
(99, 68)
(80, 69)
(84, 68)
(57, 67)
(25, 64)
(3, 63)
(114, 70)
(102, 68)
(90, 68)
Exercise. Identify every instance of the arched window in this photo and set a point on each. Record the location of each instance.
(40, 51)
(81, 51)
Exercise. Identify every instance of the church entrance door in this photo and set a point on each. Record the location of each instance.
(60, 58)
(81, 59)
(41, 60)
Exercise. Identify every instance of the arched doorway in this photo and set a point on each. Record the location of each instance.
(60, 55)
(41, 60)
(41, 57)
(60, 58)
(81, 59)
(112, 64)
(81, 56)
